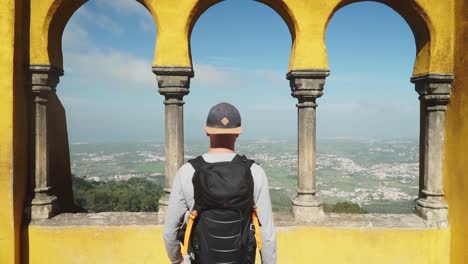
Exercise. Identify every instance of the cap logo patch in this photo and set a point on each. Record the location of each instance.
(225, 121)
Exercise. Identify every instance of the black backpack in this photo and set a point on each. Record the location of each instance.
(223, 226)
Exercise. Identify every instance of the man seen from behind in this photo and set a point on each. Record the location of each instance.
(224, 194)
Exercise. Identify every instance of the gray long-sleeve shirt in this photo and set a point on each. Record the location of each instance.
(181, 202)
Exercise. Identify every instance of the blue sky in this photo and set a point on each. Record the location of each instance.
(240, 51)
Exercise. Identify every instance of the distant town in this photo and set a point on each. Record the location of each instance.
(378, 175)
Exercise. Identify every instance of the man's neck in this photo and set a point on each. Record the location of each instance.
(220, 150)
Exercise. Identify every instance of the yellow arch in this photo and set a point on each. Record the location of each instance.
(48, 21)
(430, 20)
(417, 20)
(177, 20)
(278, 6)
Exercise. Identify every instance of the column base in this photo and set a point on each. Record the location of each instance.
(45, 208)
(433, 211)
(307, 208)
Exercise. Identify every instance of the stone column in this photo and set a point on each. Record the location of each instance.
(307, 86)
(44, 79)
(434, 91)
(174, 84)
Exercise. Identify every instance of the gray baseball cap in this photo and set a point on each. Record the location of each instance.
(223, 118)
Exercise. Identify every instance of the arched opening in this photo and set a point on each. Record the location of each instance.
(419, 23)
(240, 52)
(114, 118)
(368, 122)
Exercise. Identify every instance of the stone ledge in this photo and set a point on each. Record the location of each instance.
(364, 221)
(358, 221)
(100, 219)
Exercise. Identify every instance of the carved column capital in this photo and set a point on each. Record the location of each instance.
(307, 85)
(173, 83)
(433, 90)
(44, 78)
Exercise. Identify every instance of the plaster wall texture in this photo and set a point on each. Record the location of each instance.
(456, 157)
(13, 129)
(431, 21)
(298, 244)
(8, 238)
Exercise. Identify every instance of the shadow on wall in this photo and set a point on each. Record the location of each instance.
(24, 259)
(60, 172)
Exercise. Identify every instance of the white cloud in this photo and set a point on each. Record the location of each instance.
(84, 59)
(274, 76)
(74, 36)
(76, 39)
(124, 69)
(211, 76)
(221, 59)
(102, 21)
(131, 8)
(214, 76)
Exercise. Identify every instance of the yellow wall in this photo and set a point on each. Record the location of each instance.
(143, 244)
(127, 244)
(9, 239)
(456, 158)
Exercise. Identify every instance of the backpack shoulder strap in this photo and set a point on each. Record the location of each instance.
(256, 223)
(188, 232)
(197, 163)
(244, 159)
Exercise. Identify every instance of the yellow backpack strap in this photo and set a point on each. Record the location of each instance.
(188, 231)
(258, 235)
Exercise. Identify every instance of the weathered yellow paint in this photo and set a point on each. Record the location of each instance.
(430, 20)
(173, 43)
(456, 157)
(48, 21)
(143, 244)
(336, 245)
(95, 244)
(8, 238)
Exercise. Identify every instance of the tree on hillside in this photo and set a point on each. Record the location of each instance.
(133, 195)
